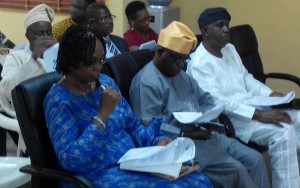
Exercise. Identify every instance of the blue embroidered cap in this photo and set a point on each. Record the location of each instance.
(213, 14)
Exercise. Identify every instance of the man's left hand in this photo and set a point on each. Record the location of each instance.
(277, 94)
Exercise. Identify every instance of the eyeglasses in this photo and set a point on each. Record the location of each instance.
(185, 59)
(93, 64)
(143, 20)
(178, 57)
(106, 19)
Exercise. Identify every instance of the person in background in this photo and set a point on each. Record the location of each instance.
(77, 12)
(218, 69)
(5, 48)
(23, 64)
(139, 20)
(91, 125)
(162, 87)
(5, 42)
(100, 19)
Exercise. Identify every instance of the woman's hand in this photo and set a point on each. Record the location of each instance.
(163, 142)
(109, 99)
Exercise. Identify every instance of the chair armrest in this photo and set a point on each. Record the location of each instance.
(63, 175)
(284, 76)
(230, 132)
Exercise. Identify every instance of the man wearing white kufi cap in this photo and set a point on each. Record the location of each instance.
(162, 87)
(27, 63)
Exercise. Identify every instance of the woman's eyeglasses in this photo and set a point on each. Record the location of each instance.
(93, 64)
(144, 20)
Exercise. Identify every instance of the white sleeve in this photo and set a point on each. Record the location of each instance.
(206, 75)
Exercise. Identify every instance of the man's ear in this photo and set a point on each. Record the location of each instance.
(27, 35)
(204, 30)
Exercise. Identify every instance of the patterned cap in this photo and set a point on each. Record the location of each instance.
(41, 12)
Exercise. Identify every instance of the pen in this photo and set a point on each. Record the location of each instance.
(102, 86)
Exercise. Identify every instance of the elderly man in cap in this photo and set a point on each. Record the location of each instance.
(26, 63)
(218, 69)
(162, 87)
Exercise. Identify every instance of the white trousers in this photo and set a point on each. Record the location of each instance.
(283, 144)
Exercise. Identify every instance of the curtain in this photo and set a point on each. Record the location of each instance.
(57, 5)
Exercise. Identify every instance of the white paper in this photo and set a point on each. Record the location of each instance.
(159, 159)
(270, 101)
(170, 128)
(50, 56)
(151, 45)
(198, 117)
(169, 169)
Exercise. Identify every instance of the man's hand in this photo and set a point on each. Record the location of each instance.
(40, 45)
(199, 134)
(277, 94)
(273, 116)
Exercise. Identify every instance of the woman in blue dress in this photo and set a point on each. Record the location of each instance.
(91, 125)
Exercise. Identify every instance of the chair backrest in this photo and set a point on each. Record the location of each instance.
(123, 67)
(28, 100)
(244, 39)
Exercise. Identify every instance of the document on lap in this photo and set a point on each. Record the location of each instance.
(163, 161)
(198, 117)
(270, 101)
(151, 45)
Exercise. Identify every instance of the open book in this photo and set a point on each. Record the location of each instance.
(163, 161)
(270, 101)
(198, 117)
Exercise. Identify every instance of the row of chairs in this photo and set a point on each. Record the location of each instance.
(28, 101)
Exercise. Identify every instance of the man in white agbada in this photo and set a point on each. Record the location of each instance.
(26, 63)
(218, 69)
(23, 64)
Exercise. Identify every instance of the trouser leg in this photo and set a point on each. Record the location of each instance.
(282, 151)
(15, 136)
(2, 142)
(228, 172)
(253, 161)
(295, 116)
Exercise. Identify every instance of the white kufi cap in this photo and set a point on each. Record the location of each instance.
(41, 12)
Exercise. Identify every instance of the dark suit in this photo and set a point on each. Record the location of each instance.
(119, 43)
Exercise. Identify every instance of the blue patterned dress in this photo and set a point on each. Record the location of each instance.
(83, 148)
